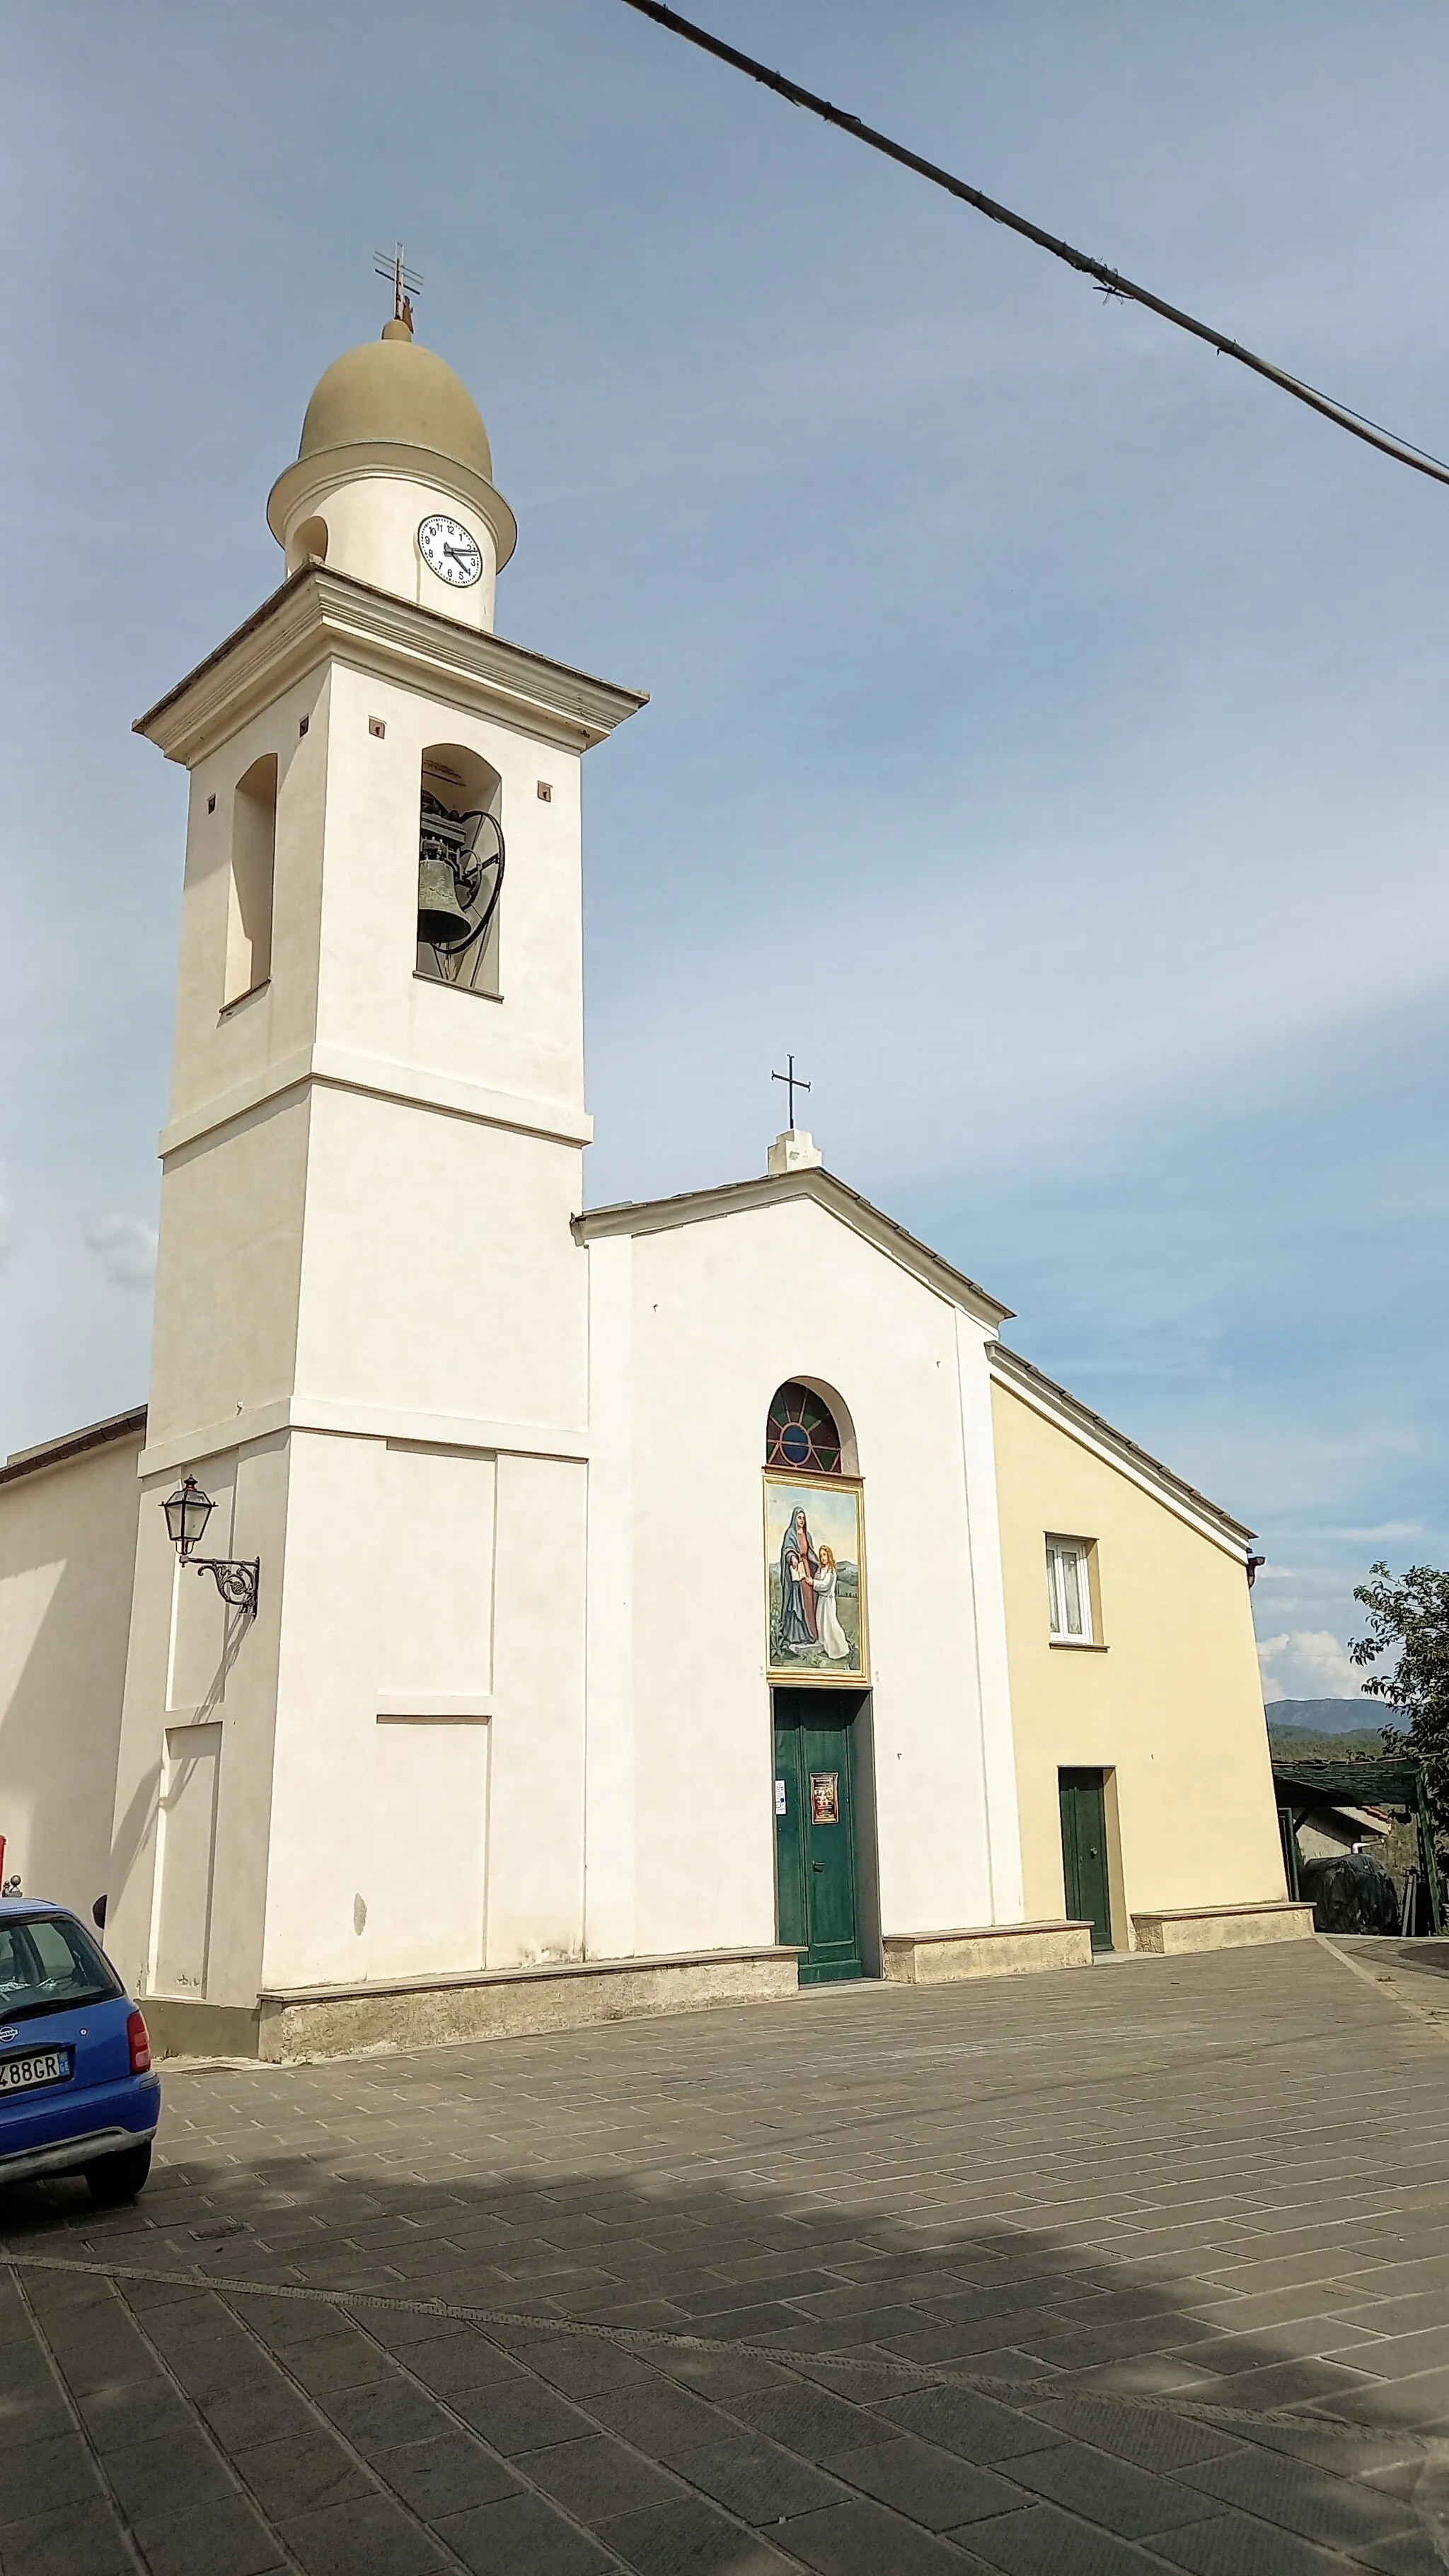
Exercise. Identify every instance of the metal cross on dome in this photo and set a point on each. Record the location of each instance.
(405, 282)
(793, 1082)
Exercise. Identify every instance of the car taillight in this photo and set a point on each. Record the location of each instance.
(139, 2043)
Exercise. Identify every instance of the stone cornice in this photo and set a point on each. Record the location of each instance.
(318, 615)
(700, 1207)
(1069, 1414)
(342, 1419)
(341, 1070)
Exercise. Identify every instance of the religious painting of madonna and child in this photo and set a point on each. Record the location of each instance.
(815, 1578)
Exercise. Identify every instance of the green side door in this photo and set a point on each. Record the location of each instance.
(815, 1842)
(1084, 1852)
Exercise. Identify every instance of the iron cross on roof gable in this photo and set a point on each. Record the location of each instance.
(405, 282)
(793, 1082)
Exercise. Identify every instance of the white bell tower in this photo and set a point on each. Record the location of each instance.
(371, 1325)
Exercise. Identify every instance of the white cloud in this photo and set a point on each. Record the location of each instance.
(1383, 1532)
(1307, 1663)
(125, 1247)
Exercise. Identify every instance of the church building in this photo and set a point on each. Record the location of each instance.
(599, 1610)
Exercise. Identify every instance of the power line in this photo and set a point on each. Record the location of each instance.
(1111, 280)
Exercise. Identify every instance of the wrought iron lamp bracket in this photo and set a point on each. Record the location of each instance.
(238, 1579)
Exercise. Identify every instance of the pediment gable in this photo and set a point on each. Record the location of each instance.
(835, 1197)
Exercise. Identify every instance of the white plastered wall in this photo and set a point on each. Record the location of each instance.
(67, 1547)
(380, 1792)
(219, 1048)
(439, 1275)
(611, 1908)
(722, 1312)
(228, 1271)
(193, 1664)
(535, 1897)
(427, 1808)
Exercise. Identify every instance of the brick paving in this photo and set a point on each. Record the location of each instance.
(1142, 2268)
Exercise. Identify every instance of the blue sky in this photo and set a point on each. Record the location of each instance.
(1047, 737)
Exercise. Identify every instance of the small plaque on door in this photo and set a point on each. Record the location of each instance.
(825, 1797)
(780, 1798)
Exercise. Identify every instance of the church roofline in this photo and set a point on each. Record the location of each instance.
(698, 1207)
(74, 1444)
(317, 609)
(1070, 1414)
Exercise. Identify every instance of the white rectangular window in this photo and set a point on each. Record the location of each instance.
(1069, 1591)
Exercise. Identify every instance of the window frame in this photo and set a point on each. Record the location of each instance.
(829, 1458)
(1057, 1545)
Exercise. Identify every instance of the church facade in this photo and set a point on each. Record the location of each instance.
(600, 1635)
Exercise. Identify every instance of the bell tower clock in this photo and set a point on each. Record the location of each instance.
(371, 1329)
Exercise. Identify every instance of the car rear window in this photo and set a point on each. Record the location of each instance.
(47, 1963)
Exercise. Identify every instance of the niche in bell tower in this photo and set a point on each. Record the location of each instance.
(460, 871)
(253, 867)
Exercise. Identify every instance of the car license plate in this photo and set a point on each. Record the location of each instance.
(43, 2066)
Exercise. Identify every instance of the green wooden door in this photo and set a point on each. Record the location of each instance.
(815, 1858)
(1287, 1835)
(1084, 1852)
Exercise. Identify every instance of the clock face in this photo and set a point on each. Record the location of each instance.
(448, 550)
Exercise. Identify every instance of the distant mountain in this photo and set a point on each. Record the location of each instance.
(1329, 1716)
(1326, 1730)
(1301, 1744)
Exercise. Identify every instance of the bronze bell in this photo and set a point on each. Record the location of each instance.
(442, 921)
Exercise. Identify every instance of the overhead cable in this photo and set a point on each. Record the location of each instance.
(1111, 280)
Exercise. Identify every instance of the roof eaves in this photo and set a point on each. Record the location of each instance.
(74, 1444)
(316, 599)
(286, 590)
(1013, 1370)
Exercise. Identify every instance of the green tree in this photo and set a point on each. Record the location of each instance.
(1411, 1612)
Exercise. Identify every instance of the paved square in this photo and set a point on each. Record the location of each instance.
(1142, 2267)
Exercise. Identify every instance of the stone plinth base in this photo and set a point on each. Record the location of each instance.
(1223, 1927)
(181, 2029)
(985, 1950)
(423, 2012)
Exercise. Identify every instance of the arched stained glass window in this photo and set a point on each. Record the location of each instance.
(802, 1432)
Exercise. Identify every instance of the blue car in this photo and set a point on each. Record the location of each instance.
(77, 2094)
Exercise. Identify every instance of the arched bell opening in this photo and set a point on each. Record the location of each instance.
(307, 544)
(460, 870)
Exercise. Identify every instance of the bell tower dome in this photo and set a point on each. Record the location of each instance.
(393, 482)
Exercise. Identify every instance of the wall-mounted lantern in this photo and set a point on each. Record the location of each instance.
(187, 1512)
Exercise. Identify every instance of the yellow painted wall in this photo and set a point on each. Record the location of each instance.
(1173, 1706)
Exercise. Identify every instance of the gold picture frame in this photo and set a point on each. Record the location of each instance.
(815, 1597)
